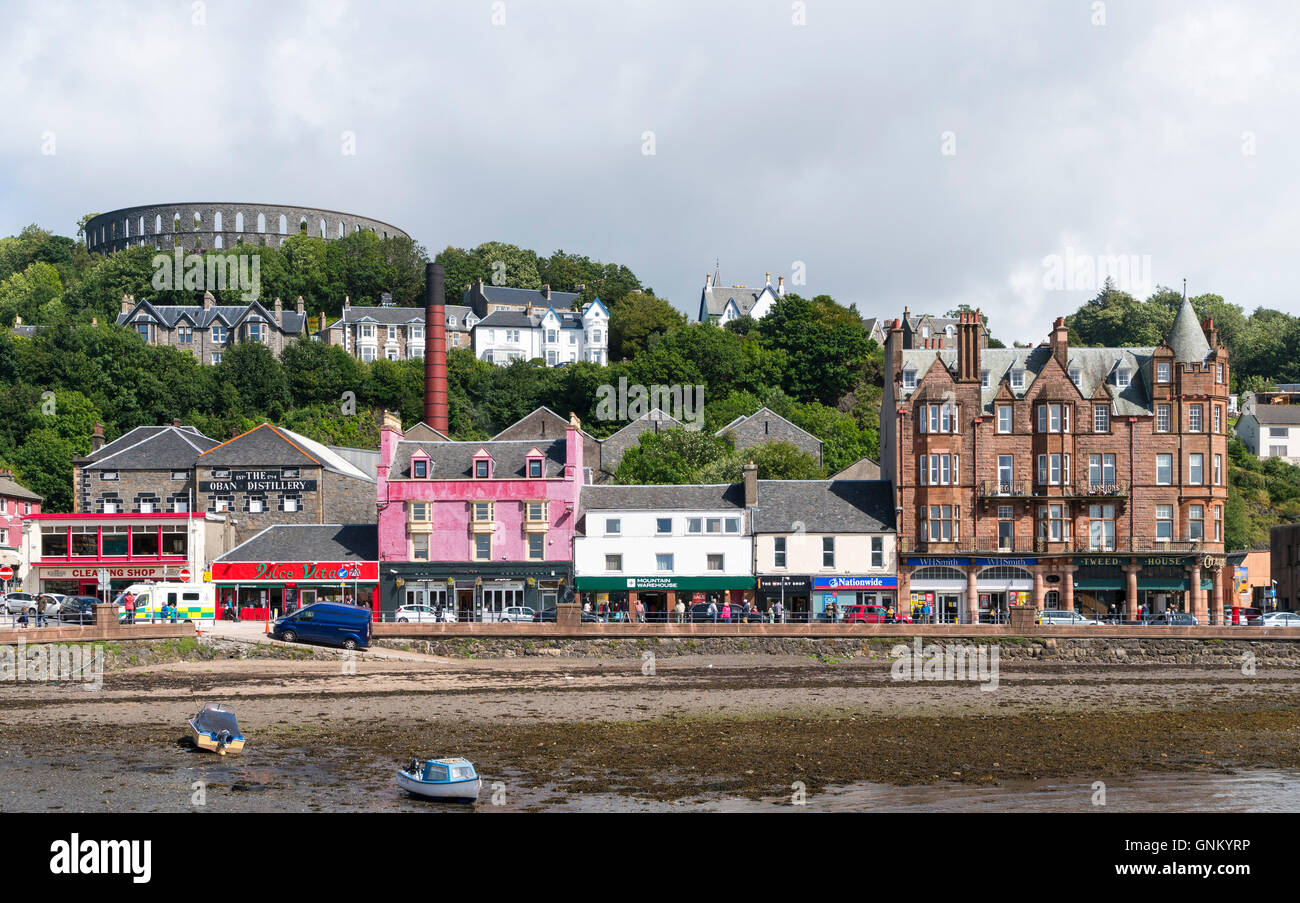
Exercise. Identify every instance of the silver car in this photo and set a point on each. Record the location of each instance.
(1280, 619)
(423, 614)
(17, 603)
(1057, 617)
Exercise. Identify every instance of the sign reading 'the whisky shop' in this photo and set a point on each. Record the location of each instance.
(256, 481)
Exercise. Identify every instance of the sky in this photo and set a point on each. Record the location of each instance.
(922, 154)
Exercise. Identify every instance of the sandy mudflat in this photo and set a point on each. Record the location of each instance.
(744, 726)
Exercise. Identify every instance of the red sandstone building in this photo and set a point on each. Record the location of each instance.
(1077, 478)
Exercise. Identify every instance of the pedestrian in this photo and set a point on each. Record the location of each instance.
(586, 608)
(726, 612)
(40, 611)
(779, 612)
(640, 611)
(889, 616)
(681, 611)
(128, 602)
(713, 611)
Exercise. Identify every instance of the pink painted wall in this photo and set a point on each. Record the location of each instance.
(451, 539)
(11, 518)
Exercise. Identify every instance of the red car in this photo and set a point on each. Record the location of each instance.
(872, 614)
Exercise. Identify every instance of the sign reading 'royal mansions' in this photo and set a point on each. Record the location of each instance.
(257, 481)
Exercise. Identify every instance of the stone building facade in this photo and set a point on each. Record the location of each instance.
(765, 426)
(1090, 479)
(270, 476)
(207, 225)
(147, 470)
(395, 333)
(208, 330)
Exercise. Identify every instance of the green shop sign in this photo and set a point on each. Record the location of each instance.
(623, 584)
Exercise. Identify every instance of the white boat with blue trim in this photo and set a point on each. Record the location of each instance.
(441, 779)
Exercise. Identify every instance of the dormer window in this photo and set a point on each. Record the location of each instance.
(984, 379)
(534, 468)
(925, 332)
(1076, 376)
(1018, 378)
(482, 466)
(420, 467)
(909, 379)
(1122, 377)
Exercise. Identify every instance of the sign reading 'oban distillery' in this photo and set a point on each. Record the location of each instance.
(256, 481)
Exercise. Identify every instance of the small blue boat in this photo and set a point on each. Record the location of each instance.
(442, 779)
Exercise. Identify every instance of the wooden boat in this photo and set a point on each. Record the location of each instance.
(442, 779)
(216, 730)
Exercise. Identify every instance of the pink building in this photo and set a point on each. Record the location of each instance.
(476, 527)
(16, 502)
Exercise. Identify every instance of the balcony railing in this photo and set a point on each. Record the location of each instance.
(1025, 489)
(1141, 545)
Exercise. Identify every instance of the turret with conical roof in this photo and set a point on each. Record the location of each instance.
(1186, 338)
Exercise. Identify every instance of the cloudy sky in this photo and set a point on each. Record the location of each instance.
(916, 153)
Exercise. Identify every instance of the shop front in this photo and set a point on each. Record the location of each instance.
(941, 585)
(1002, 583)
(84, 580)
(660, 595)
(832, 594)
(259, 591)
(793, 592)
(480, 591)
(1101, 586)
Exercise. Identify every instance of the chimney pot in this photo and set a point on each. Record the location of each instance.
(176, 421)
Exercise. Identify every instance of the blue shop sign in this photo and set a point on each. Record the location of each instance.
(938, 562)
(851, 583)
(1008, 562)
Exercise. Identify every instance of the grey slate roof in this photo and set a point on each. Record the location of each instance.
(1096, 366)
(222, 315)
(1277, 414)
(455, 460)
(392, 316)
(1186, 338)
(760, 415)
(151, 448)
(715, 298)
(710, 497)
(11, 488)
(644, 422)
(274, 446)
(824, 506)
(519, 319)
(309, 542)
(500, 294)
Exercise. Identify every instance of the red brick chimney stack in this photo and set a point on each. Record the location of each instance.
(435, 349)
(1060, 342)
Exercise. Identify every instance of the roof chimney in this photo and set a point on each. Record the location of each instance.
(767, 278)
(97, 437)
(750, 473)
(546, 290)
(176, 422)
(207, 300)
(1060, 342)
(302, 307)
(708, 281)
(435, 349)
(126, 304)
(780, 285)
(968, 347)
(347, 302)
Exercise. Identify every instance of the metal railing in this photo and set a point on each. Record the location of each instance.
(1026, 489)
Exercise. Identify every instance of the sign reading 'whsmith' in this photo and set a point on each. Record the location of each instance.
(257, 481)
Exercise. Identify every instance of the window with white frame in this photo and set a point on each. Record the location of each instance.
(715, 562)
(828, 551)
(1162, 373)
(877, 551)
(536, 546)
(1004, 418)
(1054, 523)
(909, 379)
(1164, 470)
(614, 563)
(942, 523)
(613, 526)
(1164, 523)
(778, 552)
(694, 525)
(1053, 418)
(1162, 418)
(1196, 469)
(1195, 522)
(1017, 378)
(1122, 377)
(664, 562)
(1053, 470)
(938, 470)
(1101, 418)
(663, 525)
(1194, 418)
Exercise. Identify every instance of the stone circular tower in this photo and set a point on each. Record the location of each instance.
(208, 225)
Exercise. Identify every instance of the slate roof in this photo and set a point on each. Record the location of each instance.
(151, 448)
(711, 497)
(644, 421)
(455, 460)
(519, 319)
(500, 294)
(1186, 338)
(220, 314)
(11, 488)
(309, 542)
(715, 298)
(273, 446)
(540, 415)
(1095, 365)
(769, 415)
(824, 506)
(1277, 414)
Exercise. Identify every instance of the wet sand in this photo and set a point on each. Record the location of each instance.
(577, 733)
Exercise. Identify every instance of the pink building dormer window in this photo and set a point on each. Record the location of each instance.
(420, 466)
(483, 465)
(534, 464)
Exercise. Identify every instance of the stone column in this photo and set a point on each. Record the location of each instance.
(972, 614)
(1067, 587)
(1131, 592)
(1216, 610)
(1039, 592)
(1195, 597)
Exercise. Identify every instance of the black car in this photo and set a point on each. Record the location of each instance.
(551, 614)
(76, 610)
(699, 614)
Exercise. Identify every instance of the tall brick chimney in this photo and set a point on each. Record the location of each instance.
(97, 437)
(968, 347)
(750, 473)
(435, 349)
(1060, 342)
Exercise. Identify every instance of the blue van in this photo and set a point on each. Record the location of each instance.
(330, 623)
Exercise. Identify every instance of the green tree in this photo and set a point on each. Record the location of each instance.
(638, 321)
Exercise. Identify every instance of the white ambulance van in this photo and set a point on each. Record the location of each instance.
(155, 601)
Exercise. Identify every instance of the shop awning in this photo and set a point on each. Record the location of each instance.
(661, 584)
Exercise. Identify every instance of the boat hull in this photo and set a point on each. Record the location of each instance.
(463, 791)
(203, 740)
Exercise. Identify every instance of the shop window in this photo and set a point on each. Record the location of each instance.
(85, 542)
(54, 542)
(144, 542)
(175, 541)
(113, 541)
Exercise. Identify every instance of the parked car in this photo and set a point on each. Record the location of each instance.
(1244, 615)
(330, 623)
(16, 603)
(551, 614)
(699, 613)
(424, 613)
(76, 610)
(53, 601)
(1056, 617)
(872, 614)
(517, 614)
(1172, 619)
(1280, 619)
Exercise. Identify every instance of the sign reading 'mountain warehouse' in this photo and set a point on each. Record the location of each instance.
(256, 481)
